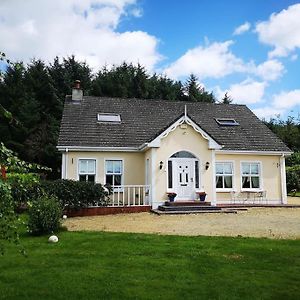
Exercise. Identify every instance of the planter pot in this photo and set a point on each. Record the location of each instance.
(172, 198)
(202, 196)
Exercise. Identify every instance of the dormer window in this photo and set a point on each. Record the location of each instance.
(227, 122)
(108, 118)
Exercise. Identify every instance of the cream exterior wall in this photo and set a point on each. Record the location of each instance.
(181, 140)
(133, 165)
(270, 174)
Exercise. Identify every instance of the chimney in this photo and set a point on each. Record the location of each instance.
(77, 92)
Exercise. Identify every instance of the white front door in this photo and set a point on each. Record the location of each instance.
(183, 178)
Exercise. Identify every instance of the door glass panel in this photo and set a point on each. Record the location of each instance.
(170, 174)
(197, 174)
(187, 177)
(180, 178)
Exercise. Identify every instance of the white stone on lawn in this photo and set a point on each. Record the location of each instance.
(53, 239)
(64, 217)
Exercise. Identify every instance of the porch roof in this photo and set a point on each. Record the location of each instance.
(143, 120)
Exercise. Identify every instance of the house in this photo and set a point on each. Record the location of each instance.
(148, 148)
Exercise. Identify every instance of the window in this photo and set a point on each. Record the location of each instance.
(250, 175)
(224, 175)
(87, 170)
(109, 118)
(114, 172)
(227, 122)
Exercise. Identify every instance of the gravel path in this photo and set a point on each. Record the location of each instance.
(279, 223)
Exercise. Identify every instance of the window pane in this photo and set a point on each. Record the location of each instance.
(227, 168)
(219, 168)
(228, 182)
(109, 179)
(82, 177)
(219, 182)
(117, 179)
(117, 166)
(83, 166)
(170, 174)
(246, 168)
(254, 169)
(91, 178)
(91, 166)
(255, 182)
(109, 166)
(245, 182)
(197, 174)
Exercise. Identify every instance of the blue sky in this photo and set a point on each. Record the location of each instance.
(248, 48)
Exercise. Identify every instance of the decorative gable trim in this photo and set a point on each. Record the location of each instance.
(155, 143)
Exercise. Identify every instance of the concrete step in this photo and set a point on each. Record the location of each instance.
(187, 203)
(183, 212)
(188, 208)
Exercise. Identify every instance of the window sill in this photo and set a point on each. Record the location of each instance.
(251, 190)
(224, 190)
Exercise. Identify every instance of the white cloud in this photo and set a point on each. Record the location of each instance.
(85, 28)
(247, 91)
(214, 60)
(282, 31)
(242, 28)
(270, 70)
(287, 99)
(267, 112)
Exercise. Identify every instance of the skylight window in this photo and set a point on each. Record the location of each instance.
(109, 118)
(227, 122)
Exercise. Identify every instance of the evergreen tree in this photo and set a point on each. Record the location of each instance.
(226, 99)
(196, 93)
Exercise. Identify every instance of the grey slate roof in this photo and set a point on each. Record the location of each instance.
(143, 120)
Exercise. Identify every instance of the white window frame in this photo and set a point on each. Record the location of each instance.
(260, 177)
(78, 168)
(233, 175)
(116, 188)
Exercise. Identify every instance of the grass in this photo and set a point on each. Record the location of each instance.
(98, 265)
(297, 194)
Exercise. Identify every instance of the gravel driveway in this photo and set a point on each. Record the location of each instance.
(277, 223)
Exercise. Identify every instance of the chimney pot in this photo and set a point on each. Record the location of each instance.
(77, 84)
(77, 92)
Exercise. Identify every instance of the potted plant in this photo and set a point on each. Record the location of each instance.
(201, 195)
(171, 196)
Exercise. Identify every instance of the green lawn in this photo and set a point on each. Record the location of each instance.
(139, 266)
(297, 194)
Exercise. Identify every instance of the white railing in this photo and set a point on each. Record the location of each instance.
(130, 195)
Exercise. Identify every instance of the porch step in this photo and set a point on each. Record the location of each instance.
(182, 212)
(188, 208)
(187, 203)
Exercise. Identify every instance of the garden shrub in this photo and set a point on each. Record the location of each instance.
(76, 194)
(24, 187)
(293, 178)
(44, 215)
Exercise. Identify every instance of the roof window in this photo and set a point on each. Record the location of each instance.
(227, 122)
(108, 118)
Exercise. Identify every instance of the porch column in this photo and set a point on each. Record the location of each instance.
(153, 178)
(213, 165)
(283, 180)
(64, 163)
